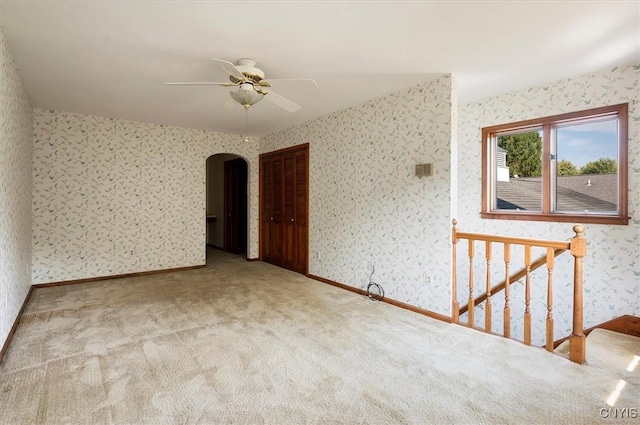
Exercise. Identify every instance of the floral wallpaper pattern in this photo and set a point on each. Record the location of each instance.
(16, 147)
(612, 264)
(367, 207)
(113, 197)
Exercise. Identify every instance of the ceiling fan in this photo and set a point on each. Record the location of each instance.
(252, 86)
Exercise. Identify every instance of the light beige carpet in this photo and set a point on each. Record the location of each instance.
(250, 343)
(614, 350)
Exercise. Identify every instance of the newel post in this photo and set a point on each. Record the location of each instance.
(455, 306)
(577, 350)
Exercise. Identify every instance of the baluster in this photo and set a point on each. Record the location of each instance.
(471, 302)
(577, 350)
(550, 258)
(487, 305)
(507, 289)
(455, 307)
(527, 296)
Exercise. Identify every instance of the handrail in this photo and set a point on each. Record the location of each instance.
(512, 279)
(515, 241)
(577, 247)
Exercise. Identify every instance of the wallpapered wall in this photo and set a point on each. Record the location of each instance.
(16, 147)
(367, 205)
(612, 265)
(113, 196)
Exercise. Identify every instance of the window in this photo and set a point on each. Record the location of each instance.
(570, 167)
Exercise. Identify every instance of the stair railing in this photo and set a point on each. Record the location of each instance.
(576, 246)
(510, 280)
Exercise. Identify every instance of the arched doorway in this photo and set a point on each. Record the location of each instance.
(227, 204)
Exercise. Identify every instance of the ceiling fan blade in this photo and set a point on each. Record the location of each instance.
(283, 81)
(231, 69)
(281, 101)
(202, 83)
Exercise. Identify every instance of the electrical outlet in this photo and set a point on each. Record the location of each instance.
(428, 278)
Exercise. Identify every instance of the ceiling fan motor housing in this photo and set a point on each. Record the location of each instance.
(248, 68)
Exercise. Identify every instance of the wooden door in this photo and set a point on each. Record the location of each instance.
(235, 206)
(284, 206)
(277, 216)
(289, 213)
(271, 205)
(266, 208)
(301, 230)
(295, 211)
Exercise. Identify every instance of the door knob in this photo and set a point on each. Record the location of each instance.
(291, 219)
(271, 218)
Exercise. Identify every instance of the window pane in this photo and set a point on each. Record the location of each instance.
(587, 167)
(580, 177)
(518, 172)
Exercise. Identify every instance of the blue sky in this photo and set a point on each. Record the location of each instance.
(588, 142)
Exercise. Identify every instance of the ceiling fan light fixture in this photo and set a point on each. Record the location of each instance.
(246, 96)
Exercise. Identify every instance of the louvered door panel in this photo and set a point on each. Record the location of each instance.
(289, 212)
(301, 231)
(277, 243)
(266, 168)
(284, 203)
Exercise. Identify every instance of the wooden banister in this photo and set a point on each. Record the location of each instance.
(506, 284)
(515, 241)
(549, 334)
(487, 307)
(455, 305)
(577, 248)
(577, 349)
(511, 279)
(471, 253)
(527, 295)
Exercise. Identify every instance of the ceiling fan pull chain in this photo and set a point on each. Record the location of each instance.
(246, 123)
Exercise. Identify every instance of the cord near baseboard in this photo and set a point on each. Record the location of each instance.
(374, 291)
(393, 302)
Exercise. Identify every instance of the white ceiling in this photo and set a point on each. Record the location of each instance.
(112, 58)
